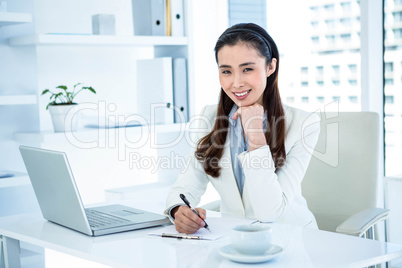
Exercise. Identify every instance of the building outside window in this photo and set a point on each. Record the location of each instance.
(393, 86)
(320, 47)
(326, 60)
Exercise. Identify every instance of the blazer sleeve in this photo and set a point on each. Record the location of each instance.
(193, 181)
(271, 191)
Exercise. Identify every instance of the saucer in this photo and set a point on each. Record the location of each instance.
(229, 252)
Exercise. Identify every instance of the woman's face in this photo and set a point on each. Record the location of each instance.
(243, 73)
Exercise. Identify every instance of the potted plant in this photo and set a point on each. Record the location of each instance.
(61, 103)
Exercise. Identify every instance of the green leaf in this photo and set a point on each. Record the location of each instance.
(77, 85)
(50, 103)
(62, 87)
(45, 91)
(90, 89)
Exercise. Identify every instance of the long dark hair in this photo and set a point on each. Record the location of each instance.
(210, 148)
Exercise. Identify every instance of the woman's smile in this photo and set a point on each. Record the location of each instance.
(242, 95)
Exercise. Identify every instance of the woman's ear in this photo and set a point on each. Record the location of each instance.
(271, 67)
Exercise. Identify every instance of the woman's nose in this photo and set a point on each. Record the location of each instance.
(238, 81)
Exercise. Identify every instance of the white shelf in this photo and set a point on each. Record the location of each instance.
(9, 18)
(97, 40)
(18, 179)
(18, 100)
(91, 134)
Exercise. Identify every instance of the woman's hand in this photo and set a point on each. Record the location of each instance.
(252, 120)
(186, 221)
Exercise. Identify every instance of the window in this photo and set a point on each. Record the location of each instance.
(397, 33)
(353, 99)
(397, 16)
(290, 99)
(346, 21)
(346, 37)
(389, 67)
(330, 23)
(346, 6)
(315, 24)
(304, 99)
(389, 81)
(329, 8)
(393, 84)
(330, 39)
(304, 84)
(335, 68)
(352, 82)
(352, 68)
(315, 9)
(389, 99)
(318, 67)
(336, 98)
(248, 11)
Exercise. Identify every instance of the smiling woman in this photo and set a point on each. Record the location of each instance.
(242, 80)
(261, 139)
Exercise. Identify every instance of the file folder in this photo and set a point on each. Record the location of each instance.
(158, 13)
(155, 90)
(180, 94)
(142, 17)
(177, 17)
(168, 19)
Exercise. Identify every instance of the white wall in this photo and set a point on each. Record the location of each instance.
(210, 18)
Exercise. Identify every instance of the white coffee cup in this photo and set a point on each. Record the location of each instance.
(252, 239)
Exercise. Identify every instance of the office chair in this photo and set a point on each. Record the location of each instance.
(342, 184)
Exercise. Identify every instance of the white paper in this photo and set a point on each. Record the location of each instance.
(220, 227)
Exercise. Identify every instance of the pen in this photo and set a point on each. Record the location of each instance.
(181, 236)
(183, 197)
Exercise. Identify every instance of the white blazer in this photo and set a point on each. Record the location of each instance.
(269, 195)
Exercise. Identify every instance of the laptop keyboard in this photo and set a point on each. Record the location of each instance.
(98, 219)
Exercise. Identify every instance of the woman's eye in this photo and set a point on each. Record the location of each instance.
(226, 72)
(247, 70)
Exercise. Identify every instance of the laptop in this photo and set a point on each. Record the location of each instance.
(60, 202)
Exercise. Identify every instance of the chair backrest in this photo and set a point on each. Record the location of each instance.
(343, 175)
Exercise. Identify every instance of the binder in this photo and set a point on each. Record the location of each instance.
(155, 90)
(142, 17)
(158, 15)
(168, 18)
(177, 17)
(180, 94)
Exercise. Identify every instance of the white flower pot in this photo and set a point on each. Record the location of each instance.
(64, 117)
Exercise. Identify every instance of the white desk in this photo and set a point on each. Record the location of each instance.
(303, 247)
